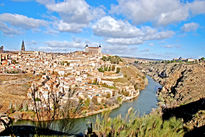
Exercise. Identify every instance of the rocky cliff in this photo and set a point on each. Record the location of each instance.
(183, 84)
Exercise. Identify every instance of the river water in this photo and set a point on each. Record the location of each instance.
(143, 104)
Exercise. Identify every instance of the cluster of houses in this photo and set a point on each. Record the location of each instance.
(184, 59)
(74, 77)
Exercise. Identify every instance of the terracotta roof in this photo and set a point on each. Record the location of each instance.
(94, 47)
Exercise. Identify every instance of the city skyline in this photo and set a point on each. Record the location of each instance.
(138, 28)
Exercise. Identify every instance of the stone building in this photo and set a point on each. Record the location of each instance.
(93, 50)
(4, 57)
(1, 49)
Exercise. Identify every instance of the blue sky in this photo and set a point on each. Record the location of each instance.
(163, 29)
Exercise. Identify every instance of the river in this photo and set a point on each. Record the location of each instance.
(143, 104)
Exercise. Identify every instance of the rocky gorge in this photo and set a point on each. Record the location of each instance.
(183, 90)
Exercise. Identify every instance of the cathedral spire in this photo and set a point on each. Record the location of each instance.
(22, 46)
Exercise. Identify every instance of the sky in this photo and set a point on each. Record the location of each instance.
(159, 29)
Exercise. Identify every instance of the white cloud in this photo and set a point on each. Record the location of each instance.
(167, 46)
(197, 7)
(123, 50)
(170, 46)
(8, 30)
(124, 41)
(22, 21)
(72, 11)
(123, 33)
(56, 45)
(66, 46)
(153, 34)
(75, 14)
(46, 1)
(160, 12)
(109, 27)
(177, 15)
(145, 50)
(151, 44)
(63, 44)
(69, 27)
(190, 27)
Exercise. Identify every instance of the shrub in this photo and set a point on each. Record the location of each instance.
(125, 93)
(112, 59)
(37, 99)
(108, 95)
(100, 70)
(118, 70)
(146, 126)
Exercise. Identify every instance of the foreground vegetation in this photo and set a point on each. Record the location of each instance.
(146, 126)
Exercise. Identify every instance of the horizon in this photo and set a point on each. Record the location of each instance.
(154, 32)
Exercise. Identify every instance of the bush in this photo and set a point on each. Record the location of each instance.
(65, 63)
(108, 95)
(202, 59)
(136, 62)
(118, 70)
(146, 126)
(100, 70)
(136, 86)
(112, 59)
(37, 99)
(109, 68)
(125, 93)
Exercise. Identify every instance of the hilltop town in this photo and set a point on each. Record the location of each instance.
(59, 85)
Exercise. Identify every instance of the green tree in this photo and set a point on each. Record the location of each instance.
(136, 62)
(105, 69)
(118, 70)
(109, 68)
(202, 59)
(100, 69)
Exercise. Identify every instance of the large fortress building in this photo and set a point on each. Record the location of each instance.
(93, 50)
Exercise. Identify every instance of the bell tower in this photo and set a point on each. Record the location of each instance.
(22, 46)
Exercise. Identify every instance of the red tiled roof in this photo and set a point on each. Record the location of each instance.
(94, 47)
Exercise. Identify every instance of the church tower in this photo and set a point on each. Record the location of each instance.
(1, 49)
(22, 46)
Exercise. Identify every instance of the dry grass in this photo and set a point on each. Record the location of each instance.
(14, 93)
(131, 75)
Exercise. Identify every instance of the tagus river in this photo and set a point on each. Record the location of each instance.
(143, 104)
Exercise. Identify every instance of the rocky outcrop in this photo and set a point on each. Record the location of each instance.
(4, 122)
(182, 83)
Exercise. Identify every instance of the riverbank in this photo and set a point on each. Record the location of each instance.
(29, 116)
(106, 109)
(142, 104)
